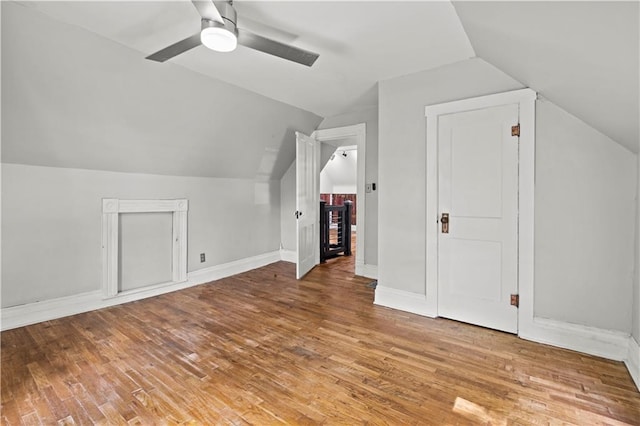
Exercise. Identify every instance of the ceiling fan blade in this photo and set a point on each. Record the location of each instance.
(276, 48)
(208, 10)
(176, 48)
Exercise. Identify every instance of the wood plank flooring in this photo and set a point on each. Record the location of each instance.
(262, 348)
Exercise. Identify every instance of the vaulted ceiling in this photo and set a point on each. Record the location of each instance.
(359, 43)
(77, 91)
(582, 56)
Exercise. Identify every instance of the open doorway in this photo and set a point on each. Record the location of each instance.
(332, 142)
(339, 204)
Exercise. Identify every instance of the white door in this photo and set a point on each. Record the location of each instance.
(307, 203)
(478, 189)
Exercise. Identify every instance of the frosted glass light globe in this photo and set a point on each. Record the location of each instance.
(219, 39)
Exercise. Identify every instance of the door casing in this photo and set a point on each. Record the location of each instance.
(358, 132)
(525, 98)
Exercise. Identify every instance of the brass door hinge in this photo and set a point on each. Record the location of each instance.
(515, 130)
(515, 300)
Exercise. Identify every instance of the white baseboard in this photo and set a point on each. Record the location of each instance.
(288, 255)
(232, 268)
(610, 344)
(590, 340)
(31, 313)
(633, 361)
(366, 270)
(402, 300)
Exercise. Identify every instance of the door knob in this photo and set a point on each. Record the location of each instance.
(444, 220)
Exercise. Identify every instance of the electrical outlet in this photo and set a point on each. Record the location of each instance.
(202, 258)
(367, 187)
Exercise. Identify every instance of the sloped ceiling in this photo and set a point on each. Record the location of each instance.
(359, 42)
(73, 99)
(77, 91)
(582, 56)
(342, 170)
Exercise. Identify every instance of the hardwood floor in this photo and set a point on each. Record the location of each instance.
(262, 348)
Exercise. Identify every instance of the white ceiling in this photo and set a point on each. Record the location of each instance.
(359, 43)
(69, 65)
(74, 99)
(582, 56)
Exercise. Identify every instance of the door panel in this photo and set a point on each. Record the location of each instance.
(476, 170)
(479, 258)
(478, 187)
(307, 203)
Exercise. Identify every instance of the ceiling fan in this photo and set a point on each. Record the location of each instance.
(220, 33)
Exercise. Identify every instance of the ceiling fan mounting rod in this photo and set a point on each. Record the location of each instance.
(209, 23)
(228, 12)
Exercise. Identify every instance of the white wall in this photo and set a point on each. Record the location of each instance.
(635, 329)
(587, 203)
(73, 102)
(287, 209)
(288, 184)
(339, 175)
(401, 165)
(326, 184)
(370, 118)
(145, 249)
(585, 208)
(51, 224)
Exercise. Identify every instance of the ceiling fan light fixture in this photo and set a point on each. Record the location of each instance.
(219, 32)
(217, 37)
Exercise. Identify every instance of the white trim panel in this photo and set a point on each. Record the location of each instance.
(633, 361)
(403, 300)
(526, 210)
(366, 270)
(31, 313)
(288, 255)
(152, 206)
(590, 340)
(481, 102)
(111, 210)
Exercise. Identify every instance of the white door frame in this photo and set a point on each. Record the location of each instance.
(525, 98)
(359, 133)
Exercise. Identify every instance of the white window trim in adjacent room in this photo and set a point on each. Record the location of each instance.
(525, 98)
(111, 210)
